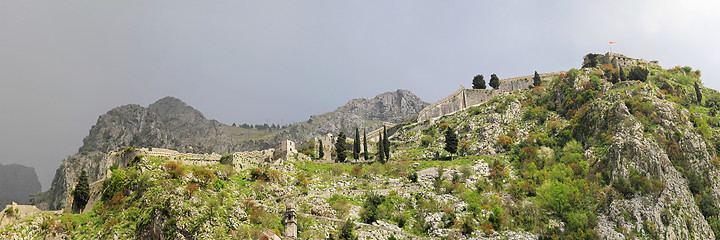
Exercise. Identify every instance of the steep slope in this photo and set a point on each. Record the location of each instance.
(172, 124)
(17, 183)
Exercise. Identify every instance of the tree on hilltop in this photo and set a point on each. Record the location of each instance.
(81, 194)
(479, 82)
(451, 141)
(340, 147)
(356, 145)
(494, 81)
(536, 79)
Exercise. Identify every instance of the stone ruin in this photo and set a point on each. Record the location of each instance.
(619, 61)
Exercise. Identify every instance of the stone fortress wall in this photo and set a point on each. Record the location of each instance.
(464, 98)
(620, 61)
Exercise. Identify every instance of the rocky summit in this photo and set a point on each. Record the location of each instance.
(619, 148)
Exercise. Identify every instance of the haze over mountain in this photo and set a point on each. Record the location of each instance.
(17, 183)
(65, 63)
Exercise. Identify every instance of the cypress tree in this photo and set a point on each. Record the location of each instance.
(365, 152)
(479, 82)
(386, 144)
(536, 79)
(321, 151)
(380, 149)
(494, 81)
(340, 147)
(81, 195)
(356, 145)
(451, 141)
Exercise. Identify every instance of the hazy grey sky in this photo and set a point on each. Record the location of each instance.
(64, 63)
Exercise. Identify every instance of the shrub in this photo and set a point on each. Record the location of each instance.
(340, 205)
(204, 175)
(665, 216)
(302, 180)
(346, 231)
(11, 212)
(707, 206)
(504, 141)
(226, 159)
(426, 140)
(356, 171)
(369, 212)
(413, 177)
(174, 170)
(190, 189)
(638, 73)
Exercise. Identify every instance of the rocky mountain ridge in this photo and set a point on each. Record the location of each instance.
(170, 123)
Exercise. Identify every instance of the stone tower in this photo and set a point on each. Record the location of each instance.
(290, 223)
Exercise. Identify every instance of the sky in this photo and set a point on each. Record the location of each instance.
(64, 63)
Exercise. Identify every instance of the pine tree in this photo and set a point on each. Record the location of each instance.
(536, 79)
(356, 145)
(622, 75)
(479, 82)
(698, 92)
(340, 147)
(386, 144)
(365, 151)
(321, 151)
(81, 194)
(451, 141)
(380, 149)
(494, 81)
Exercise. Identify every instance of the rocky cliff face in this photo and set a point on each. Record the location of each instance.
(17, 182)
(172, 124)
(364, 113)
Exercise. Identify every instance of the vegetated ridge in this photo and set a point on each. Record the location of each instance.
(620, 148)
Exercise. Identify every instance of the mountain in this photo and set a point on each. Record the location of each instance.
(620, 148)
(172, 124)
(17, 183)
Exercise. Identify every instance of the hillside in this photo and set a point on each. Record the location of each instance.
(170, 123)
(618, 149)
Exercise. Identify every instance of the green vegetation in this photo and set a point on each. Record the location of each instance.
(536, 79)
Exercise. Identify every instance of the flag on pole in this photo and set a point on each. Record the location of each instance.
(612, 42)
